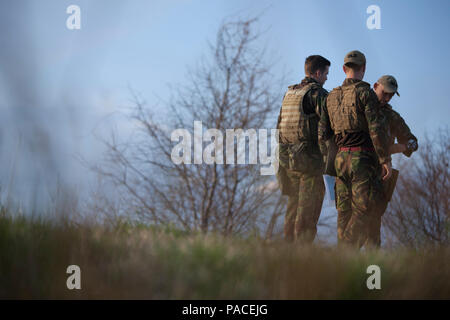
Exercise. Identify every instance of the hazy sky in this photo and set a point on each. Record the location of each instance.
(58, 86)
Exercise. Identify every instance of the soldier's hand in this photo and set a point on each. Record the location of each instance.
(387, 170)
(397, 148)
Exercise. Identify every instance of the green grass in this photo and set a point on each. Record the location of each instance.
(135, 261)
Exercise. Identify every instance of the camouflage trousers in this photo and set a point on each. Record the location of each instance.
(304, 206)
(374, 238)
(359, 194)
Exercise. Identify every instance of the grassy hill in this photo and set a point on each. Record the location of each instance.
(142, 262)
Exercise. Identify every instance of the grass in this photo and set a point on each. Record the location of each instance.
(134, 261)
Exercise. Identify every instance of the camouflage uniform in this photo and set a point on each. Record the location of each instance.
(301, 161)
(359, 192)
(397, 129)
(362, 148)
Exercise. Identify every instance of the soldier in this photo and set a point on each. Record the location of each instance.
(363, 159)
(301, 167)
(385, 88)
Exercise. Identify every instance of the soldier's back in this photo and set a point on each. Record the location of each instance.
(345, 109)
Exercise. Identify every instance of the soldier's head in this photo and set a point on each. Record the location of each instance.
(317, 67)
(385, 88)
(355, 65)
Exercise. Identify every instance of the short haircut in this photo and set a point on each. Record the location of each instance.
(314, 63)
(355, 67)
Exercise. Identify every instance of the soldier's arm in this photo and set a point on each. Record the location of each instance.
(403, 134)
(377, 125)
(324, 130)
(319, 99)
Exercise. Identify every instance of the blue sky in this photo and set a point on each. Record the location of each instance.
(149, 44)
(81, 77)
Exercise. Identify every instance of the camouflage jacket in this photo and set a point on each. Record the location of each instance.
(313, 102)
(399, 129)
(378, 133)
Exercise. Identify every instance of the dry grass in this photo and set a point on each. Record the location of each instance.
(141, 262)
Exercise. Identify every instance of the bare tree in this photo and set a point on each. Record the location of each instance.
(419, 211)
(232, 88)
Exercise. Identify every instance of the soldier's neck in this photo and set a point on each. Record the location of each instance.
(353, 76)
(311, 77)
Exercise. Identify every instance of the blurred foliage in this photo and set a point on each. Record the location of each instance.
(132, 260)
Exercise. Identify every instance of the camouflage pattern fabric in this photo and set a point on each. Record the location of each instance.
(368, 105)
(294, 125)
(374, 236)
(304, 206)
(303, 164)
(358, 181)
(359, 194)
(398, 129)
(307, 145)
